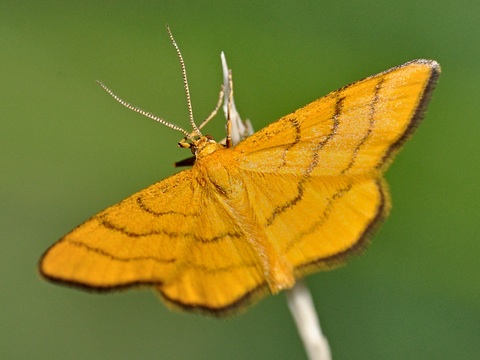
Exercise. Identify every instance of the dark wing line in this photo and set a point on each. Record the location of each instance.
(145, 208)
(361, 243)
(296, 125)
(170, 234)
(371, 125)
(127, 285)
(419, 112)
(118, 258)
(324, 216)
(312, 164)
(233, 307)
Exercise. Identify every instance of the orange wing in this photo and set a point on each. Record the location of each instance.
(123, 245)
(353, 130)
(318, 171)
(316, 223)
(172, 235)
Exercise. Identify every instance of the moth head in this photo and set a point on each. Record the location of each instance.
(197, 145)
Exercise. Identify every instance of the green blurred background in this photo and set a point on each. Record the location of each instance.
(68, 151)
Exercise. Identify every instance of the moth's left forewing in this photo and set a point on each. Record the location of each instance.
(353, 130)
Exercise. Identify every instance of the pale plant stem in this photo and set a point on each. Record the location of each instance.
(303, 311)
(299, 299)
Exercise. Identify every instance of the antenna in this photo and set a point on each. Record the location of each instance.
(143, 112)
(215, 111)
(185, 84)
(196, 129)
